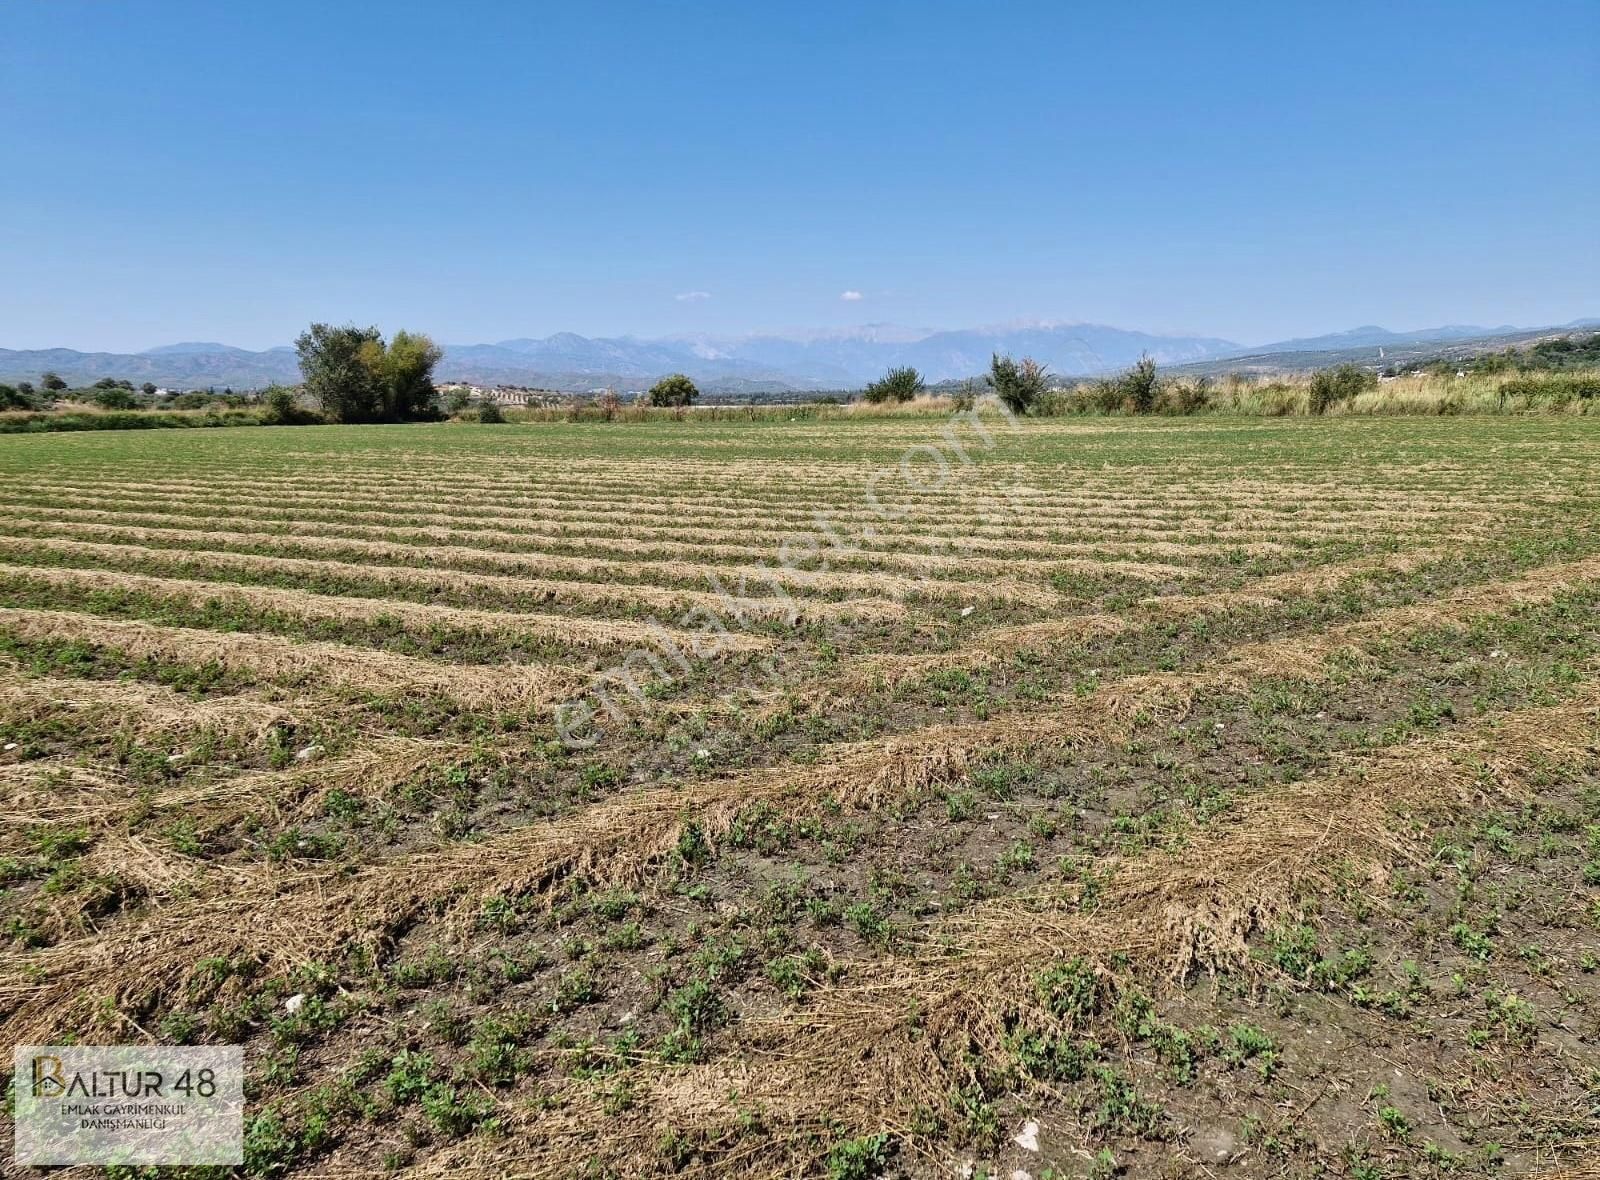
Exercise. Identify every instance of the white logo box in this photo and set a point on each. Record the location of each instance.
(129, 1104)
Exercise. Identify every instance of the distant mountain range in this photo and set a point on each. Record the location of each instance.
(747, 364)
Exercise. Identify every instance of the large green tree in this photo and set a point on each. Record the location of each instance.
(356, 377)
(676, 390)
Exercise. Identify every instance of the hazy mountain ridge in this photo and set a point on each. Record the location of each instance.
(766, 362)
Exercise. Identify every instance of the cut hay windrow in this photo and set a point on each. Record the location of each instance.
(1271, 590)
(632, 595)
(991, 523)
(311, 663)
(286, 918)
(1306, 502)
(563, 630)
(896, 1036)
(958, 550)
(61, 792)
(646, 510)
(414, 546)
(1003, 518)
(984, 648)
(150, 713)
(1301, 656)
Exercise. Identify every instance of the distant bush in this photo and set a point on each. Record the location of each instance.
(490, 413)
(1140, 388)
(280, 406)
(1556, 388)
(675, 390)
(1333, 387)
(114, 397)
(12, 398)
(1186, 397)
(199, 400)
(48, 423)
(1138, 391)
(1018, 385)
(897, 385)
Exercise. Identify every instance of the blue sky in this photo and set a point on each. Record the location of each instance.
(480, 171)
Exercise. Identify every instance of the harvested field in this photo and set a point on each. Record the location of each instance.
(882, 797)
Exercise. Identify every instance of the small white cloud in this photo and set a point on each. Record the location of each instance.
(851, 296)
(692, 296)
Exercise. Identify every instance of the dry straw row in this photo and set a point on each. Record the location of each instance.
(437, 579)
(417, 546)
(309, 663)
(565, 630)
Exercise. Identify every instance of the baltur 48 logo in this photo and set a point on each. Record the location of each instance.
(128, 1104)
(51, 1078)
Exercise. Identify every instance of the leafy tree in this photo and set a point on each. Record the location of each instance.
(337, 364)
(25, 388)
(114, 397)
(52, 383)
(1017, 384)
(489, 412)
(13, 398)
(457, 401)
(355, 377)
(676, 390)
(407, 376)
(148, 389)
(897, 385)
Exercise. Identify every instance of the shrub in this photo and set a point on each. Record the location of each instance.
(1332, 387)
(1139, 386)
(489, 412)
(674, 390)
(897, 385)
(15, 399)
(1179, 398)
(282, 408)
(1557, 388)
(115, 398)
(1017, 384)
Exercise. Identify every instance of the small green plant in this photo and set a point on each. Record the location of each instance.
(1246, 1042)
(410, 1074)
(1071, 991)
(859, 1159)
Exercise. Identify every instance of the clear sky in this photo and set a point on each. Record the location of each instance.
(221, 171)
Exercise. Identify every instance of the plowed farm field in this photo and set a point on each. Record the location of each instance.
(893, 797)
